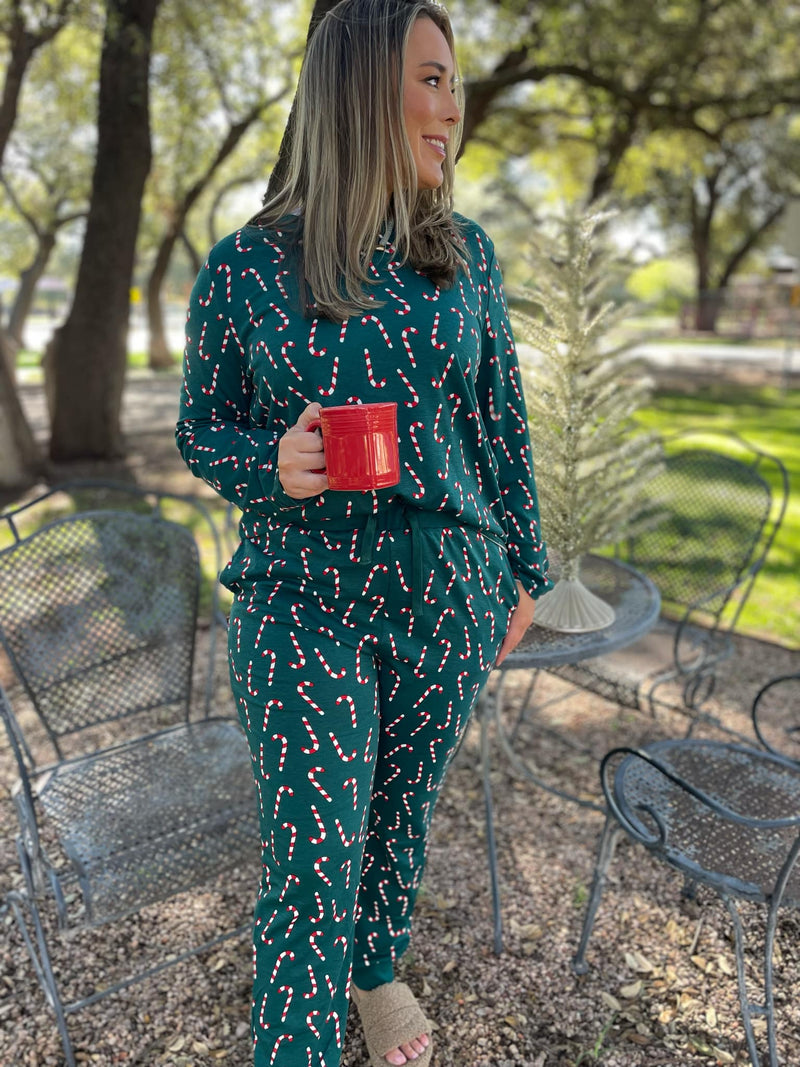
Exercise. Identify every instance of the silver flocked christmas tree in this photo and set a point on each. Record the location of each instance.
(582, 390)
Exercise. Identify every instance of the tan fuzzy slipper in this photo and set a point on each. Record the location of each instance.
(391, 1017)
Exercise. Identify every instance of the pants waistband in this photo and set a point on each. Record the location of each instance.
(397, 516)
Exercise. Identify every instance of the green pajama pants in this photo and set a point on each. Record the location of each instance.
(356, 657)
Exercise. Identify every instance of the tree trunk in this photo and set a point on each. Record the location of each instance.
(86, 361)
(20, 459)
(28, 280)
(159, 356)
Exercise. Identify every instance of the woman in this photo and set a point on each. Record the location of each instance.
(364, 624)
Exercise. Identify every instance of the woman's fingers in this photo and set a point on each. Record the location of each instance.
(300, 457)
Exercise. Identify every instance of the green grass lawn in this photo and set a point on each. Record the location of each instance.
(770, 419)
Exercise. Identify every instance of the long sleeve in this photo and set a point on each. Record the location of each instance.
(216, 434)
(500, 394)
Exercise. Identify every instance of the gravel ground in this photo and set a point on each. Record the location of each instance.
(661, 989)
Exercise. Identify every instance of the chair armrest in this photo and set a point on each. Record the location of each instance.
(23, 800)
(714, 806)
(791, 730)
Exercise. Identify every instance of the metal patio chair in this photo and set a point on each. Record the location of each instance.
(141, 794)
(715, 510)
(727, 816)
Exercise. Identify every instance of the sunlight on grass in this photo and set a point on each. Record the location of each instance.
(770, 419)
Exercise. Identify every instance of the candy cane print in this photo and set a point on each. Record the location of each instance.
(347, 842)
(295, 912)
(262, 345)
(334, 376)
(444, 725)
(412, 403)
(410, 613)
(213, 387)
(244, 708)
(287, 952)
(426, 718)
(302, 686)
(418, 671)
(335, 1016)
(420, 492)
(438, 384)
(468, 653)
(281, 287)
(370, 373)
(352, 782)
(463, 674)
(340, 751)
(261, 1023)
(301, 396)
(313, 980)
(323, 833)
(328, 668)
(253, 320)
(381, 327)
(346, 699)
(413, 432)
(447, 651)
(320, 908)
(362, 680)
(444, 474)
(253, 692)
(367, 753)
(450, 566)
(433, 688)
(312, 737)
(445, 612)
(311, 1025)
(378, 601)
(433, 742)
(404, 584)
(205, 301)
(525, 456)
(301, 658)
(376, 568)
(268, 940)
(407, 344)
(425, 594)
(276, 1046)
(312, 938)
(289, 878)
(281, 790)
(312, 777)
(289, 991)
(436, 293)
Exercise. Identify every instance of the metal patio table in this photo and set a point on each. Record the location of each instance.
(637, 604)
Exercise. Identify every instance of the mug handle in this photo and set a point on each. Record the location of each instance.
(314, 425)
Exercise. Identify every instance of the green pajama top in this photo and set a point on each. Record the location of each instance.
(253, 361)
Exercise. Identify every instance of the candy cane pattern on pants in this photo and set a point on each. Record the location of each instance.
(345, 801)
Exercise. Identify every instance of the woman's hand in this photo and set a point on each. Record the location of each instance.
(520, 620)
(299, 454)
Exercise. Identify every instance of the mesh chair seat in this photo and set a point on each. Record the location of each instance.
(735, 858)
(150, 819)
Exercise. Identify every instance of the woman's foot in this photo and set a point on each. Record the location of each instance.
(395, 1027)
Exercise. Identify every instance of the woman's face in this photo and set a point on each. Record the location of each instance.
(429, 107)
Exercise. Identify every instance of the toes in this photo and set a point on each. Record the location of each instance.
(396, 1057)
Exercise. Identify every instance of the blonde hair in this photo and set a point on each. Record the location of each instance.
(350, 146)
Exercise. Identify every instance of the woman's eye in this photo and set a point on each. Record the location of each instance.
(433, 80)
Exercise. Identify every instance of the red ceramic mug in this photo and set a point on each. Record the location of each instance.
(360, 440)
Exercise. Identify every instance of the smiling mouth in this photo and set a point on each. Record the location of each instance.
(438, 144)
